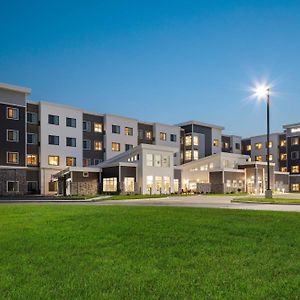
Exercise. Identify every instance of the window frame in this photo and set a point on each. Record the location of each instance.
(58, 161)
(18, 185)
(55, 117)
(13, 131)
(32, 113)
(14, 109)
(18, 157)
(69, 122)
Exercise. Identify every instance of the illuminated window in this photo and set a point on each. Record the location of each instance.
(295, 141)
(32, 159)
(167, 184)
(97, 145)
(71, 161)
(188, 155)
(283, 156)
(53, 160)
(163, 136)
(148, 135)
(128, 131)
(196, 140)
(258, 158)
(258, 146)
(149, 160)
(248, 148)
(115, 147)
(216, 142)
(226, 145)
(283, 169)
(12, 135)
(158, 183)
(295, 169)
(176, 185)
(228, 183)
(270, 144)
(295, 187)
(149, 183)
(98, 127)
(12, 113)
(196, 154)
(129, 184)
(270, 157)
(188, 140)
(110, 184)
(12, 157)
(282, 143)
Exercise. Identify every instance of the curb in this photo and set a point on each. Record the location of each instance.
(256, 202)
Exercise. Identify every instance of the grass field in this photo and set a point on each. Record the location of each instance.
(263, 200)
(91, 252)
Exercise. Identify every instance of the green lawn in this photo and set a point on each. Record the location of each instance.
(96, 252)
(262, 200)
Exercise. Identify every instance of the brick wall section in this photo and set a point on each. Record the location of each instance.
(13, 175)
(84, 188)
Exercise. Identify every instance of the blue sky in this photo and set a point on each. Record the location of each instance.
(166, 61)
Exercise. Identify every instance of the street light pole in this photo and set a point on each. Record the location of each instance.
(268, 193)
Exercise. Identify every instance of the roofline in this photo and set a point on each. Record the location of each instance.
(290, 125)
(261, 135)
(200, 124)
(15, 88)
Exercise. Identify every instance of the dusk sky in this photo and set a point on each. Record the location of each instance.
(164, 61)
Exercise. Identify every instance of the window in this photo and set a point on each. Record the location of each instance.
(237, 146)
(32, 138)
(188, 140)
(216, 142)
(86, 126)
(162, 136)
(248, 148)
(86, 144)
(140, 134)
(32, 160)
(295, 187)
(71, 122)
(53, 160)
(115, 147)
(149, 160)
(295, 141)
(97, 161)
(270, 144)
(71, 142)
(149, 183)
(32, 187)
(196, 155)
(97, 145)
(173, 137)
(295, 169)
(157, 160)
(12, 113)
(12, 186)
(283, 169)
(128, 131)
(32, 117)
(176, 185)
(52, 119)
(165, 161)
(110, 184)
(167, 184)
(116, 129)
(294, 155)
(128, 147)
(71, 161)
(148, 135)
(226, 145)
(86, 162)
(258, 146)
(53, 140)
(228, 183)
(258, 158)
(270, 157)
(158, 183)
(196, 140)
(282, 143)
(188, 155)
(98, 127)
(283, 156)
(129, 184)
(12, 157)
(12, 135)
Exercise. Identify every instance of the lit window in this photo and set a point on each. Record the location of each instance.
(258, 158)
(12, 135)
(110, 184)
(282, 143)
(270, 157)
(53, 160)
(12, 186)
(32, 159)
(71, 142)
(71, 161)
(283, 156)
(167, 184)
(116, 129)
(196, 154)
(283, 169)
(115, 147)
(128, 131)
(149, 160)
(173, 137)
(158, 183)
(295, 187)
(98, 127)
(228, 183)
(163, 136)
(71, 122)
(295, 169)
(12, 157)
(129, 184)
(216, 142)
(248, 148)
(54, 120)
(12, 113)
(176, 185)
(258, 146)
(148, 135)
(188, 155)
(149, 183)
(97, 145)
(188, 140)
(226, 145)
(196, 140)
(270, 144)
(295, 141)
(32, 117)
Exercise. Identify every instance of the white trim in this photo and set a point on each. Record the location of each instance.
(18, 135)
(11, 106)
(12, 191)
(15, 88)
(12, 163)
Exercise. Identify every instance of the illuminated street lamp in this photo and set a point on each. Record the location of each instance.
(262, 92)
